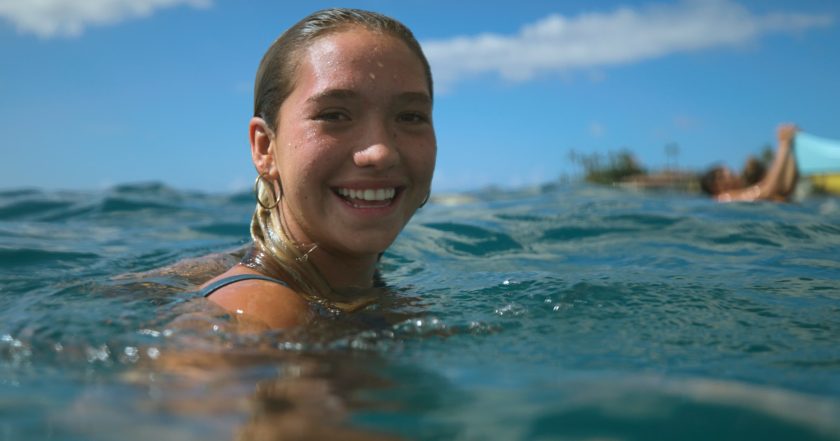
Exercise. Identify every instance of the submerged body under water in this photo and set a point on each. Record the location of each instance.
(561, 312)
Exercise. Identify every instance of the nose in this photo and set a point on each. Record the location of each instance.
(379, 150)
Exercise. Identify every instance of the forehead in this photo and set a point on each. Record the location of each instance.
(356, 56)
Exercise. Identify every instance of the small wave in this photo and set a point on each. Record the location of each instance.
(744, 238)
(118, 204)
(618, 225)
(242, 197)
(40, 206)
(572, 233)
(153, 196)
(473, 240)
(30, 208)
(12, 258)
(615, 406)
(827, 229)
(643, 220)
(16, 192)
(223, 229)
(150, 189)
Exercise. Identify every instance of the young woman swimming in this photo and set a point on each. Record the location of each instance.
(344, 147)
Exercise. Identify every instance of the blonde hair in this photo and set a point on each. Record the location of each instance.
(271, 237)
(273, 84)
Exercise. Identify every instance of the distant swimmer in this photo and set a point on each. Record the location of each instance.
(777, 184)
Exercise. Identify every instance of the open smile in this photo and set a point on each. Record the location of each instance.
(368, 197)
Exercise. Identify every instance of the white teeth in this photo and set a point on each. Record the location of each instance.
(369, 194)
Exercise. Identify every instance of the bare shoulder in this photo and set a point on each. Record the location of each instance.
(278, 306)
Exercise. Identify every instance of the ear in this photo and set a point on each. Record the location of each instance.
(262, 147)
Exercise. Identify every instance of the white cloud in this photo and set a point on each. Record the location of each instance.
(50, 18)
(685, 122)
(597, 129)
(626, 35)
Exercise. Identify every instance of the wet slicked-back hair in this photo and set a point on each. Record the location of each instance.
(709, 180)
(275, 75)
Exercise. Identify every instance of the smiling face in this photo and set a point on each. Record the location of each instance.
(354, 146)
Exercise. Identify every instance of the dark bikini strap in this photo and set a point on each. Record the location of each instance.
(213, 287)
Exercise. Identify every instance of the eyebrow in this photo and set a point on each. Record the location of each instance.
(332, 94)
(421, 97)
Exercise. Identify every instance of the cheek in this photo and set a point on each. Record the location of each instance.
(308, 166)
(423, 161)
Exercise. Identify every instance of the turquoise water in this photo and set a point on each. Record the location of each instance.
(562, 312)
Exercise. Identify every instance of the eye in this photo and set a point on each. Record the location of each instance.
(333, 116)
(413, 117)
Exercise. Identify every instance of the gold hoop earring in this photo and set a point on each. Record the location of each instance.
(422, 204)
(263, 181)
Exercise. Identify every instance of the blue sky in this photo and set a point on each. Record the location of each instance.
(95, 93)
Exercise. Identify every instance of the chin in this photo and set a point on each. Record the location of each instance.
(363, 244)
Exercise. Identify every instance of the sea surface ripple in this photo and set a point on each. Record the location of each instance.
(557, 312)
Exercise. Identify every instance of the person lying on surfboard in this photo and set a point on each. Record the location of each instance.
(777, 184)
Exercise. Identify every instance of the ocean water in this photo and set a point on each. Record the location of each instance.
(560, 312)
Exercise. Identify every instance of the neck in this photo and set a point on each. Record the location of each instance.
(343, 272)
(351, 280)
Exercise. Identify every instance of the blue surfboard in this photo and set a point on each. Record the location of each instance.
(816, 155)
